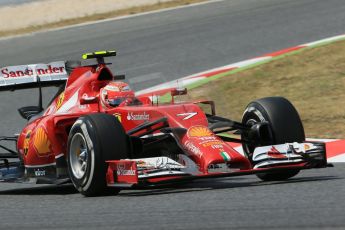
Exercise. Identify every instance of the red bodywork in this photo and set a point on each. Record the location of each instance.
(44, 140)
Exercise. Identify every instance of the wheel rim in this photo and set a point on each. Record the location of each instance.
(78, 156)
(249, 148)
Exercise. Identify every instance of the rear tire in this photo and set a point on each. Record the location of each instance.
(94, 139)
(285, 127)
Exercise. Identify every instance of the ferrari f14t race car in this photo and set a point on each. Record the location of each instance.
(99, 135)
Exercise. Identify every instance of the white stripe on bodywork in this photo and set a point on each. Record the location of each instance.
(239, 149)
(70, 103)
(40, 166)
(187, 115)
(164, 173)
(60, 155)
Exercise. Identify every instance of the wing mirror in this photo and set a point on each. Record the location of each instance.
(177, 92)
(88, 100)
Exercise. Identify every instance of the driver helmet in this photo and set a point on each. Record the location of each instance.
(115, 92)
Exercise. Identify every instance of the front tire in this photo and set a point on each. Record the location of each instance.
(94, 139)
(285, 127)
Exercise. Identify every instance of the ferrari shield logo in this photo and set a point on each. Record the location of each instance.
(26, 142)
(118, 116)
(60, 100)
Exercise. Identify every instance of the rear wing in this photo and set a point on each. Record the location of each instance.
(32, 76)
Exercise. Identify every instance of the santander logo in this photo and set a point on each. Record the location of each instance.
(7, 73)
(53, 69)
(131, 116)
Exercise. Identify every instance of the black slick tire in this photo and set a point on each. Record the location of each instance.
(284, 123)
(96, 138)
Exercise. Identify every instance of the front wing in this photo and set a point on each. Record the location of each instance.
(163, 170)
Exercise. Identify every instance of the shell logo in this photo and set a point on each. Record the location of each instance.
(60, 100)
(306, 147)
(26, 143)
(199, 131)
(41, 142)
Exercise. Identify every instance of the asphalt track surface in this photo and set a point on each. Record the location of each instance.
(170, 45)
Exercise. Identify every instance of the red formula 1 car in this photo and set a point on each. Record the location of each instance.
(98, 135)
